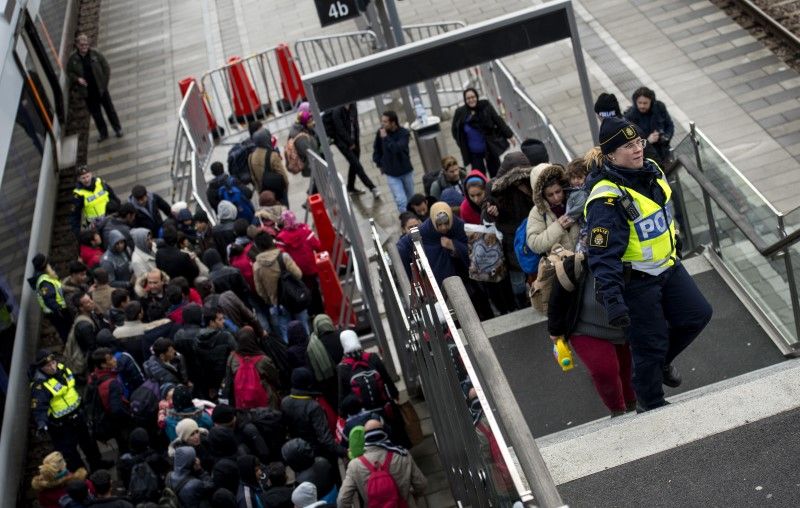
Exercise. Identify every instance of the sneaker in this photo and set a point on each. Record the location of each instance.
(356, 192)
(102, 138)
(119, 133)
(671, 377)
(375, 193)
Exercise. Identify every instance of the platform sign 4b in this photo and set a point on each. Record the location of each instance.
(334, 11)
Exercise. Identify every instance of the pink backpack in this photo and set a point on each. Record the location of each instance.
(382, 491)
(248, 392)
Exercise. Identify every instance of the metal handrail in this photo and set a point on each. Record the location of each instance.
(739, 219)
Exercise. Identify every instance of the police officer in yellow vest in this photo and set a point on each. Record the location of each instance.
(632, 248)
(56, 410)
(89, 199)
(50, 295)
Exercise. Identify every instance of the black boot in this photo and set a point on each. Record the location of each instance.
(670, 376)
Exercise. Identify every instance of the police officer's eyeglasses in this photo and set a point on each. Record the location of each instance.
(634, 145)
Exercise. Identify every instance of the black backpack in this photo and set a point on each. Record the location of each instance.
(238, 156)
(97, 417)
(292, 293)
(143, 485)
(427, 181)
(278, 352)
(269, 423)
(144, 404)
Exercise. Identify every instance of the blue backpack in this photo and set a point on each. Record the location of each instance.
(528, 260)
(237, 160)
(231, 192)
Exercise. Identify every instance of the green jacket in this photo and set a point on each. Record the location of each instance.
(100, 70)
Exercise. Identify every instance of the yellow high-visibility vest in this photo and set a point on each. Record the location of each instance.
(94, 201)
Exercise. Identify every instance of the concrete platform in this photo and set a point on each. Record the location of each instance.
(552, 400)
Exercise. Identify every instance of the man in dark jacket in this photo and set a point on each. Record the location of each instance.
(346, 136)
(172, 261)
(219, 177)
(306, 419)
(164, 366)
(299, 455)
(122, 221)
(214, 345)
(185, 340)
(223, 233)
(249, 439)
(89, 73)
(225, 278)
(149, 207)
(117, 262)
(652, 118)
(390, 153)
(112, 395)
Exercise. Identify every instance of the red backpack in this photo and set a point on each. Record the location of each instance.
(248, 392)
(382, 491)
(366, 382)
(294, 163)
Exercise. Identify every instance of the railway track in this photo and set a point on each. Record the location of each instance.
(776, 23)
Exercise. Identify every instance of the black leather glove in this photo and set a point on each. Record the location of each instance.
(622, 321)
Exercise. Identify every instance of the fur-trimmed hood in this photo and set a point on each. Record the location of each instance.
(510, 178)
(541, 174)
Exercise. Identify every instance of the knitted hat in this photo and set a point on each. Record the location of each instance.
(223, 413)
(514, 160)
(302, 378)
(184, 214)
(186, 428)
(607, 105)
(350, 342)
(39, 262)
(615, 132)
(452, 196)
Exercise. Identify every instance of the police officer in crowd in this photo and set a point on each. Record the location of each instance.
(50, 295)
(56, 410)
(89, 199)
(633, 255)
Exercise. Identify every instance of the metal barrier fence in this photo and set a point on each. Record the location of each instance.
(395, 288)
(349, 251)
(482, 466)
(262, 86)
(193, 149)
(316, 53)
(524, 117)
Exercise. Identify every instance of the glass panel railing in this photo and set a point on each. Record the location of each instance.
(770, 282)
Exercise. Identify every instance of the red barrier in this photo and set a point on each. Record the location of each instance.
(213, 128)
(328, 238)
(336, 304)
(291, 85)
(246, 104)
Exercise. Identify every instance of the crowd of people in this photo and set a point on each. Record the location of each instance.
(204, 353)
(594, 245)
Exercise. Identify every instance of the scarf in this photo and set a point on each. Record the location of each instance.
(378, 437)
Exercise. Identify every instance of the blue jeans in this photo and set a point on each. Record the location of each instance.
(280, 318)
(402, 188)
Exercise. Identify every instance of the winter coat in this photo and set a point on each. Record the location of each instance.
(391, 154)
(304, 143)
(306, 419)
(90, 255)
(300, 243)
(266, 167)
(211, 353)
(513, 206)
(49, 491)
(491, 125)
(225, 278)
(101, 294)
(238, 312)
(212, 192)
(109, 224)
(162, 372)
(267, 272)
(346, 130)
(117, 264)
(175, 263)
(444, 262)
(656, 119)
(197, 488)
(223, 233)
(407, 475)
(244, 264)
(115, 405)
(544, 230)
(149, 215)
(299, 455)
(100, 70)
